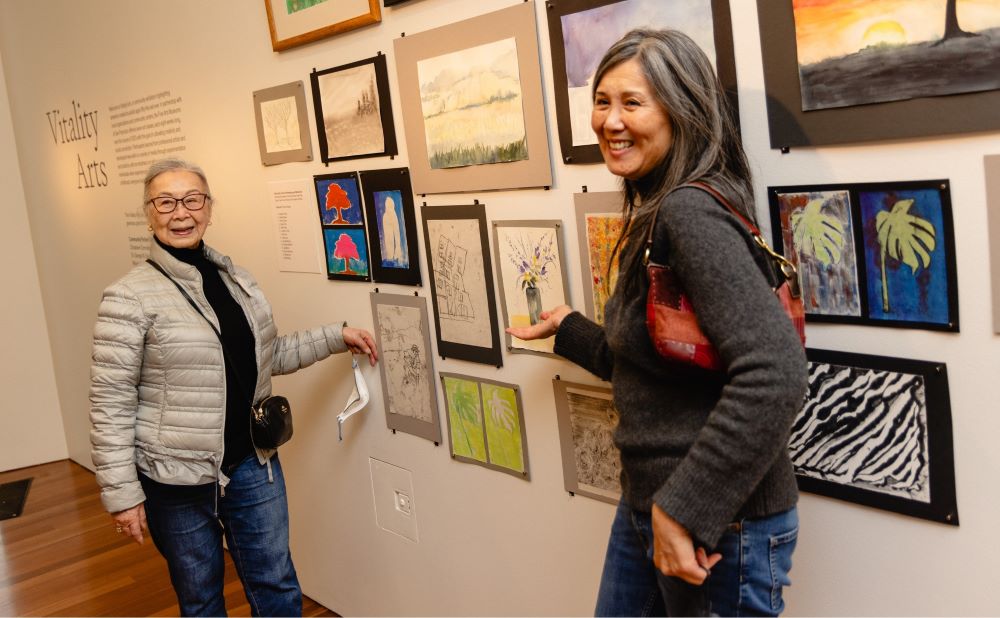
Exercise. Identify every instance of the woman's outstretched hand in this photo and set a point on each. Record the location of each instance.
(360, 341)
(549, 324)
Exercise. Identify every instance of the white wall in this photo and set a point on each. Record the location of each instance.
(489, 543)
(33, 427)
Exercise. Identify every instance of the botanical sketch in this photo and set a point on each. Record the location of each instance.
(865, 428)
(487, 423)
(458, 267)
(471, 104)
(340, 201)
(391, 222)
(281, 125)
(858, 52)
(351, 112)
(818, 237)
(905, 260)
(404, 361)
(346, 251)
(588, 34)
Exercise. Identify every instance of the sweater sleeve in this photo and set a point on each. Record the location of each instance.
(119, 337)
(585, 343)
(300, 349)
(764, 360)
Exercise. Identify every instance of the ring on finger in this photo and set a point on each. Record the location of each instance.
(118, 529)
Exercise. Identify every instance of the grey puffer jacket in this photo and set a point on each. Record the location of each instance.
(158, 380)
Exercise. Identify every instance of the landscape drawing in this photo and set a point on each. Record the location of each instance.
(471, 103)
(904, 250)
(351, 112)
(280, 120)
(588, 34)
(391, 222)
(346, 252)
(294, 6)
(457, 261)
(818, 237)
(855, 52)
(339, 201)
(864, 428)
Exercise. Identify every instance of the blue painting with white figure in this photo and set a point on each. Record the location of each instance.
(391, 223)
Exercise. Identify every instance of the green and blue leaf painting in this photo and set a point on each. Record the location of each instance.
(487, 423)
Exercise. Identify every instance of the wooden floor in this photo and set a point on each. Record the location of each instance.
(61, 557)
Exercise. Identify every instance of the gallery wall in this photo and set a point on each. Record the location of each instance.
(30, 416)
(488, 543)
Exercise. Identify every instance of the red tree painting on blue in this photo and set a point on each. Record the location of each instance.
(906, 245)
(339, 201)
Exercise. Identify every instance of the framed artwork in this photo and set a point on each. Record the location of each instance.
(486, 421)
(393, 2)
(876, 430)
(297, 22)
(840, 72)
(472, 104)
(458, 261)
(598, 226)
(580, 31)
(587, 418)
(871, 253)
(402, 335)
(282, 128)
(353, 110)
(532, 272)
(343, 221)
(389, 206)
(992, 165)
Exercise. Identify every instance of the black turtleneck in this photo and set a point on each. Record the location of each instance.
(238, 345)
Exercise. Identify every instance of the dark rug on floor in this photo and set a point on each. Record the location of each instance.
(12, 498)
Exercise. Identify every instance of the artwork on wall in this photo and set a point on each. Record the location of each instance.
(353, 110)
(871, 253)
(587, 418)
(876, 430)
(402, 335)
(598, 226)
(472, 104)
(389, 205)
(297, 22)
(393, 2)
(486, 423)
(343, 221)
(458, 262)
(580, 31)
(532, 273)
(839, 72)
(282, 126)
(992, 165)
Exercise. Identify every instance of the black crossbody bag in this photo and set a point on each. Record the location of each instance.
(271, 419)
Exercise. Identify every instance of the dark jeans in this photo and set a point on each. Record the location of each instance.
(748, 581)
(253, 515)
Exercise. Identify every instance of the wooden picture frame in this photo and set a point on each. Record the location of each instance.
(466, 137)
(282, 124)
(486, 423)
(789, 126)
(586, 417)
(345, 236)
(394, 246)
(318, 21)
(602, 22)
(458, 265)
(354, 110)
(598, 224)
(406, 365)
(531, 270)
(876, 430)
(910, 282)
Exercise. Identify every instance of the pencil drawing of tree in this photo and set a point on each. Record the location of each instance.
(903, 237)
(277, 116)
(816, 234)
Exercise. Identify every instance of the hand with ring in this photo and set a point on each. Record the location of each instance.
(131, 522)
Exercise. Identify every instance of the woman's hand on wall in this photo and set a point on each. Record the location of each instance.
(549, 324)
(674, 553)
(131, 522)
(360, 341)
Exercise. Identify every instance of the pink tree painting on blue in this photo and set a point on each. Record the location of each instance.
(346, 252)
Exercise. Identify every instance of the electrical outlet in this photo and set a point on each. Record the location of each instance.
(403, 502)
(395, 505)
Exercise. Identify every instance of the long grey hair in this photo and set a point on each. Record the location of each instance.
(706, 141)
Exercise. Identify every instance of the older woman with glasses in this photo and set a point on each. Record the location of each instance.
(171, 405)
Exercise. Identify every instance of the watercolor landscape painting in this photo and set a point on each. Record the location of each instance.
(351, 107)
(854, 52)
(472, 106)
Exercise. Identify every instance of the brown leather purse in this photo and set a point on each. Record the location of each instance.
(671, 321)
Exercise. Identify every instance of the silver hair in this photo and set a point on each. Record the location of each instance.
(169, 165)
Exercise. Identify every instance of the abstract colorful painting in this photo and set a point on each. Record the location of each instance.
(389, 207)
(486, 421)
(856, 52)
(587, 419)
(598, 226)
(532, 272)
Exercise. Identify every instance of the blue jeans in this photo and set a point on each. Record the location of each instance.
(253, 516)
(756, 560)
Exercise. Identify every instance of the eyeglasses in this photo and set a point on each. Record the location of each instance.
(166, 205)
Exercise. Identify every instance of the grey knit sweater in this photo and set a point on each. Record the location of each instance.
(707, 447)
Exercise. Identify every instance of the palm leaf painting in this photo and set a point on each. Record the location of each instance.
(465, 418)
(503, 428)
(903, 237)
(817, 234)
